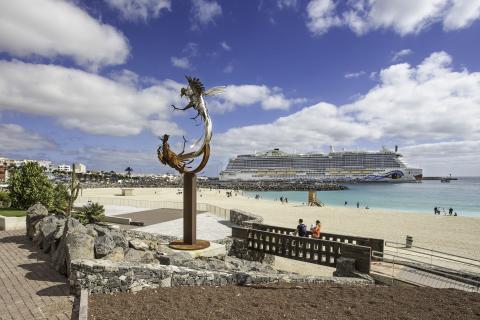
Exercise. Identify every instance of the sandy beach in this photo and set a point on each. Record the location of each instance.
(456, 235)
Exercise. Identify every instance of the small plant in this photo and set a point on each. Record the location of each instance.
(91, 213)
(5, 199)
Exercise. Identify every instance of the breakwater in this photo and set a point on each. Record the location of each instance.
(271, 186)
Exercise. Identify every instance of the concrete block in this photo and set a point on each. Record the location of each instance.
(12, 223)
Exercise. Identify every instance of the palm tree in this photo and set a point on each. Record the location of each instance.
(92, 213)
(129, 170)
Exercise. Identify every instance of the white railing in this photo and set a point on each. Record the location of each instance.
(155, 204)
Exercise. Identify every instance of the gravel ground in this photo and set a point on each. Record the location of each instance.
(288, 302)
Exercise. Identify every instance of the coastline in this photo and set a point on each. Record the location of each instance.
(395, 211)
(457, 235)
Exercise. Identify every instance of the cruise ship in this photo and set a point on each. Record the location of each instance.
(345, 166)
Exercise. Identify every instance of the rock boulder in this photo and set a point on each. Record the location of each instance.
(34, 214)
(133, 255)
(104, 245)
(79, 245)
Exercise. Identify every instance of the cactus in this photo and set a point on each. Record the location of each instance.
(73, 189)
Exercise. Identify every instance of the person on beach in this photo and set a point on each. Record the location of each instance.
(358, 204)
(301, 229)
(316, 229)
(286, 200)
(435, 210)
(345, 203)
(281, 200)
(450, 211)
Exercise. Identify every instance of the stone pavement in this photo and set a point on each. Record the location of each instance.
(29, 287)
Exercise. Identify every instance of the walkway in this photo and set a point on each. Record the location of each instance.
(29, 287)
(419, 277)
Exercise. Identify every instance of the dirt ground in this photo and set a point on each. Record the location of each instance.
(288, 302)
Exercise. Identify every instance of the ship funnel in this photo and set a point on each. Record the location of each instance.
(396, 149)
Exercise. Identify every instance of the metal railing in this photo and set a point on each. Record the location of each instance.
(449, 277)
(433, 254)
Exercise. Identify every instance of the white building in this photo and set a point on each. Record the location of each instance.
(80, 168)
(64, 168)
(46, 164)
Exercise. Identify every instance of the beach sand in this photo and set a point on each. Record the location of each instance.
(456, 235)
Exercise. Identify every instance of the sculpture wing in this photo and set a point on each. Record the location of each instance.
(214, 91)
(196, 85)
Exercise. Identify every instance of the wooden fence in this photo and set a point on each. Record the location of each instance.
(318, 251)
(376, 244)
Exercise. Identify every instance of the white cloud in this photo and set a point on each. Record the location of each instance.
(281, 4)
(181, 62)
(15, 138)
(354, 75)
(246, 95)
(461, 14)
(140, 9)
(204, 12)
(85, 101)
(429, 102)
(191, 49)
(124, 104)
(402, 16)
(460, 158)
(228, 68)
(126, 77)
(321, 16)
(50, 28)
(397, 56)
(225, 46)
(304, 130)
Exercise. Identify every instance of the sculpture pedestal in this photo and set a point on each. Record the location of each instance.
(190, 241)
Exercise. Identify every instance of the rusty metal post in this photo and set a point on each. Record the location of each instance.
(189, 208)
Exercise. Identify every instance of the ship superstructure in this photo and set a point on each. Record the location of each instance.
(345, 166)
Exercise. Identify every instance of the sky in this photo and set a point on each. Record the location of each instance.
(94, 81)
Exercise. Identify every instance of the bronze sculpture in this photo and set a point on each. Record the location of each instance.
(195, 91)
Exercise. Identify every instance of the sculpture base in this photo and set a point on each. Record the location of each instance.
(181, 245)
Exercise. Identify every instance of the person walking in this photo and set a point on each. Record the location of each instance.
(358, 204)
(345, 203)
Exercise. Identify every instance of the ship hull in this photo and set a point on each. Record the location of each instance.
(386, 175)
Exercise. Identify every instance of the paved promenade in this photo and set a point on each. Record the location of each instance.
(29, 287)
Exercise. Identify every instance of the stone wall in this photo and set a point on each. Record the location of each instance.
(245, 219)
(66, 239)
(239, 248)
(103, 276)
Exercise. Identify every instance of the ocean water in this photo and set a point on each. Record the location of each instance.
(462, 195)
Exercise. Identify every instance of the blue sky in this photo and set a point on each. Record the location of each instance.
(93, 81)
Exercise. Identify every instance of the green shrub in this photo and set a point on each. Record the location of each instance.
(29, 185)
(91, 213)
(60, 201)
(4, 199)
